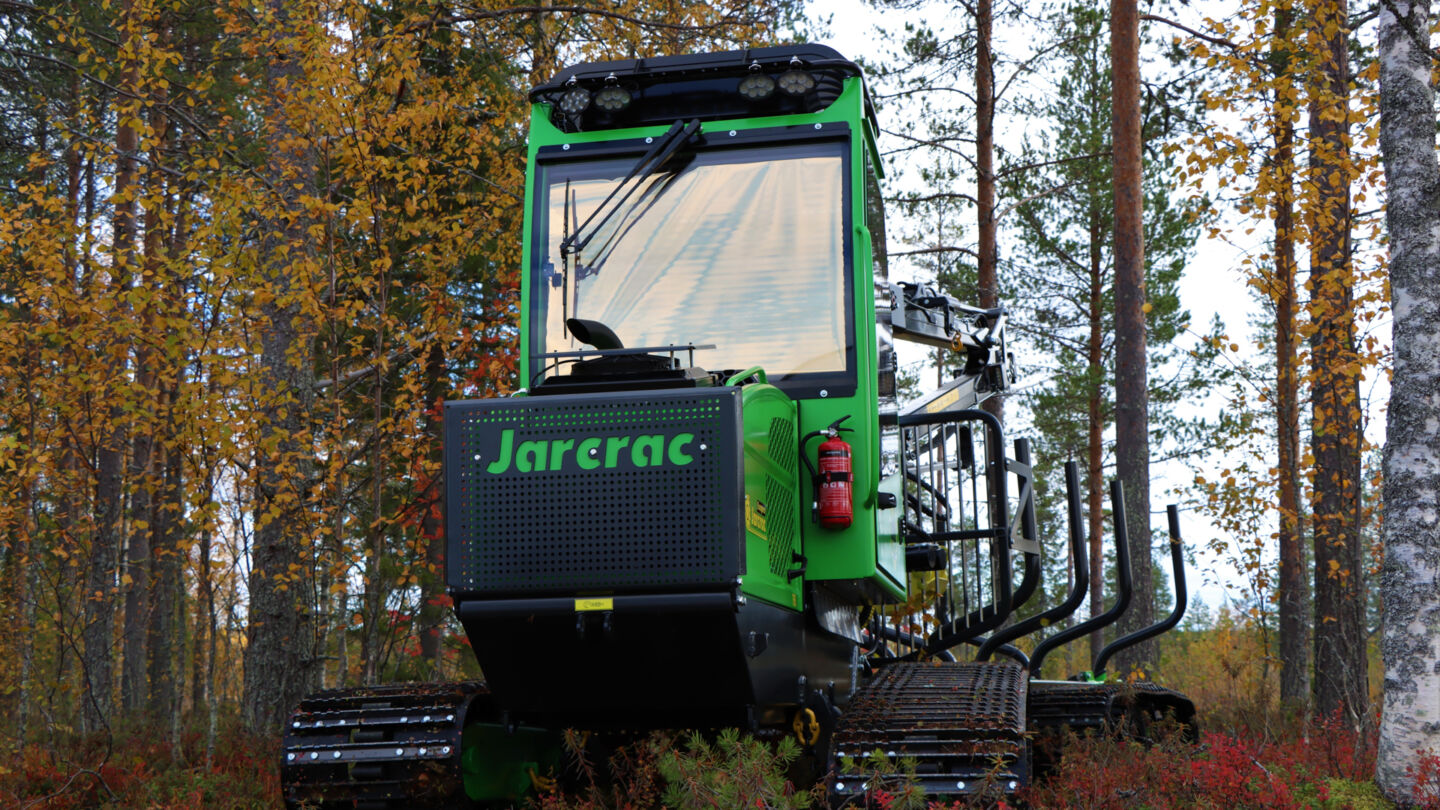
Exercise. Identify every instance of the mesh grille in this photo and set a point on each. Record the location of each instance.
(631, 523)
(782, 443)
(780, 523)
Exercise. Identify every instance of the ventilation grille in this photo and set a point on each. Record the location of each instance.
(782, 443)
(780, 523)
(582, 493)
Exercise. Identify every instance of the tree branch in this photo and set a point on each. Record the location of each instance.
(934, 250)
(1037, 195)
(1027, 166)
(943, 195)
(1419, 40)
(1224, 43)
(474, 16)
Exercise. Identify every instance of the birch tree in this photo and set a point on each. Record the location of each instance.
(1410, 580)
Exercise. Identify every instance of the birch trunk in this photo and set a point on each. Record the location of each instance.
(1410, 580)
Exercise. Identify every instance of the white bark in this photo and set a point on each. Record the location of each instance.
(1410, 582)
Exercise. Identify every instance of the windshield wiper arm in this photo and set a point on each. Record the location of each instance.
(659, 153)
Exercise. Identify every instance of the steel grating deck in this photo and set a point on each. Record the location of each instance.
(962, 723)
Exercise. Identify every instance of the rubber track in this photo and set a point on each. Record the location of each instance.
(378, 747)
(963, 724)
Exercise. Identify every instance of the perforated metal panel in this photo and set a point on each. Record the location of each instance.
(594, 492)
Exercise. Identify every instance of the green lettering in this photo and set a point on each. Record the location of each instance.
(557, 453)
(676, 453)
(587, 455)
(655, 445)
(507, 447)
(531, 457)
(612, 450)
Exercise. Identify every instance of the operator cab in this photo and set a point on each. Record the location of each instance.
(738, 238)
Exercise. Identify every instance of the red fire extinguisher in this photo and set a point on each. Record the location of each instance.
(833, 478)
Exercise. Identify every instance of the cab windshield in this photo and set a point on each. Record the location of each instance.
(740, 248)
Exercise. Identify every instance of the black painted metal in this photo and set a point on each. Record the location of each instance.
(562, 529)
(1124, 586)
(1072, 601)
(1177, 566)
(931, 518)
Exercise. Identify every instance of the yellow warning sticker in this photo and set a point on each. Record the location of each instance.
(605, 603)
(941, 403)
(755, 518)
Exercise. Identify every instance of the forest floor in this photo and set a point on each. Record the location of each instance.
(1315, 765)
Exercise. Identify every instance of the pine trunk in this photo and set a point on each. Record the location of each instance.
(1410, 582)
(1335, 402)
(988, 275)
(1095, 431)
(1132, 436)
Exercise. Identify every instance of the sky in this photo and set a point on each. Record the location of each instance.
(1212, 285)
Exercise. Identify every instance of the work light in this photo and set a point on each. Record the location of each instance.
(612, 97)
(757, 86)
(575, 100)
(796, 81)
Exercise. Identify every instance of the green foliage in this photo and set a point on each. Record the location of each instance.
(731, 771)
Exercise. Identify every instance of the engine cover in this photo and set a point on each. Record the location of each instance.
(622, 492)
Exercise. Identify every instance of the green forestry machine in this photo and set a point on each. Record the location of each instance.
(704, 509)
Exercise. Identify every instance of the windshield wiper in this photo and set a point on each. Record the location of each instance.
(651, 162)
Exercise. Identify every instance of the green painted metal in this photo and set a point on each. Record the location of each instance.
(497, 765)
(870, 549)
(772, 497)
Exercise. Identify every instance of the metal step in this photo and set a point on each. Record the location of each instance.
(962, 723)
